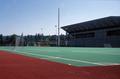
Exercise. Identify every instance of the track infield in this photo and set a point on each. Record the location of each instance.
(71, 55)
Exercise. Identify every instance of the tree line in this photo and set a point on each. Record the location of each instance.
(31, 40)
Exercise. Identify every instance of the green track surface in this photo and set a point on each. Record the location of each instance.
(71, 55)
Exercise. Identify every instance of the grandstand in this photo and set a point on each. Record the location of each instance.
(103, 32)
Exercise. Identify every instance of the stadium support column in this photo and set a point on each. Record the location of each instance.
(58, 26)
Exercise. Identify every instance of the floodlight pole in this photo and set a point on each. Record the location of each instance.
(58, 26)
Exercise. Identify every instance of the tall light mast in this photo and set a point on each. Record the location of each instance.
(58, 26)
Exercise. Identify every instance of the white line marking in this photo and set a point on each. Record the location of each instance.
(108, 63)
(67, 59)
(69, 64)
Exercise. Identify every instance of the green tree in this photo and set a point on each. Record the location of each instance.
(1, 39)
(12, 40)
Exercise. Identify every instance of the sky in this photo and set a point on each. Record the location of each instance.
(40, 16)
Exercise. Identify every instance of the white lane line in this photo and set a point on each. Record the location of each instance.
(67, 59)
(108, 63)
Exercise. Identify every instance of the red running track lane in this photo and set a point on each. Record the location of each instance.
(14, 66)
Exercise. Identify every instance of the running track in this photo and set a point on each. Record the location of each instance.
(14, 66)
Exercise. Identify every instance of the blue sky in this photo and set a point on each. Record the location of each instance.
(29, 16)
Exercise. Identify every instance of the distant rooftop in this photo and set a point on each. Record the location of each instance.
(101, 23)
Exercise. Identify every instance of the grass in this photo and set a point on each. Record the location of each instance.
(71, 55)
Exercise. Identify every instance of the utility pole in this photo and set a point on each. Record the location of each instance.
(58, 26)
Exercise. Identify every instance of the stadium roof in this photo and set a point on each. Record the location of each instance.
(102, 23)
